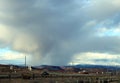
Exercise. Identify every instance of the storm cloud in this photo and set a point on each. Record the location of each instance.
(53, 31)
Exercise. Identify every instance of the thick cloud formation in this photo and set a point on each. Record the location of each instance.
(52, 31)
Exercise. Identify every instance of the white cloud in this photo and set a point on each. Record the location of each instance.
(96, 58)
(6, 34)
(106, 31)
(12, 56)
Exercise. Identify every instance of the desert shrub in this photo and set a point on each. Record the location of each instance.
(26, 75)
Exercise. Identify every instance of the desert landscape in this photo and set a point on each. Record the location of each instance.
(56, 74)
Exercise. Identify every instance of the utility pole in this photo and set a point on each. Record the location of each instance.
(25, 61)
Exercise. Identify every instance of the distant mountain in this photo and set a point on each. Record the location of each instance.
(51, 67)
(98, 66)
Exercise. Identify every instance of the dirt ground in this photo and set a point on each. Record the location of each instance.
(47, 80)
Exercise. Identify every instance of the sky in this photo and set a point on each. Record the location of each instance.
(60, 32)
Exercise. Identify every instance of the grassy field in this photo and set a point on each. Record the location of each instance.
(48, 80)
(22, 75)
(64, 79)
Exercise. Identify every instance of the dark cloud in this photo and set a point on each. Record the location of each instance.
(53, 31)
